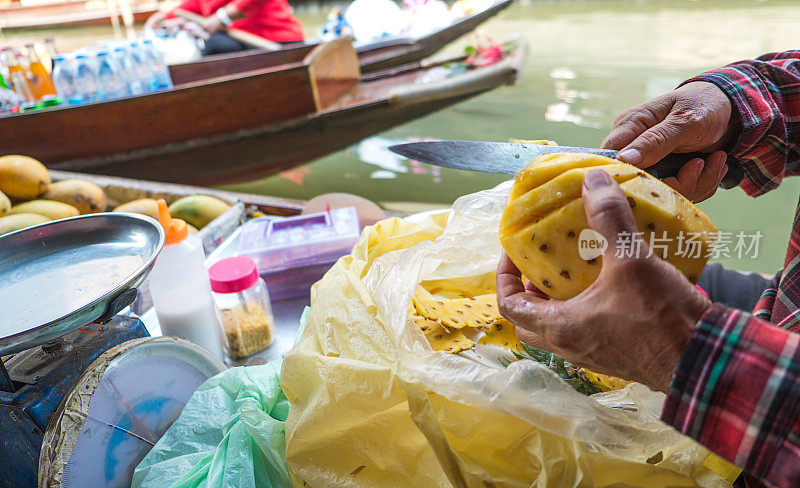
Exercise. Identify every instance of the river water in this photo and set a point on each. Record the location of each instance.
(588, 61)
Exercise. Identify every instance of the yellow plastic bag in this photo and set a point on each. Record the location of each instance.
(374, 406)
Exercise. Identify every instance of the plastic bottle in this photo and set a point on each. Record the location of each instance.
(180, 287)
(111, 81)
(125, 62)
(52, 52)
(18, 75)
(142, 66)
(85, 78)
(41, 83)
(160, 69)
(64, 80)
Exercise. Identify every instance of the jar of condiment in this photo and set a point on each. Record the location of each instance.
(244, 305)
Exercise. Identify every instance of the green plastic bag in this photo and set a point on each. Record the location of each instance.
(230, 433)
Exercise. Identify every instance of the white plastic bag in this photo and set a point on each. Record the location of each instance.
(374, 405)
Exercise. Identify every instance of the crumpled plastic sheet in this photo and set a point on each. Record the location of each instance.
(374, 405)
(229, 434)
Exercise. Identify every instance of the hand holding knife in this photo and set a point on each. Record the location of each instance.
(510, 158)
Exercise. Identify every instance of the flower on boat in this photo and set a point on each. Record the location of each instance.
(484, 52)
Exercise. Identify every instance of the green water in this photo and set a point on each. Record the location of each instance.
(588, 61)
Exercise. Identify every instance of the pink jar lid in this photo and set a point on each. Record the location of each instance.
(232, 275)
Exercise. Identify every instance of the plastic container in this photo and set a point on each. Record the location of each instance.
(124, 60)
(111, 79)
(180, 289)
(64, 79)
(86, 78)
(159, 67)
(292, 254)
(244, 306)
(142, 66)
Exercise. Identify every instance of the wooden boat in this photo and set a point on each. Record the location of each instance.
(69, 14)
(247, 125)
(374, 56)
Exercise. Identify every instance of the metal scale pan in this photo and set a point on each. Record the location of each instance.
(62, 275)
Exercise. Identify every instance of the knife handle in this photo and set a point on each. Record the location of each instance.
(670, 165)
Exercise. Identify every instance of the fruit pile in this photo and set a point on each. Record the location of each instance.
(28, 197)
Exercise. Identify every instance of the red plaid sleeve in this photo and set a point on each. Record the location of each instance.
(736, 390)
(765, 94)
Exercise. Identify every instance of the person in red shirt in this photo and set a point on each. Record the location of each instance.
(270, 19)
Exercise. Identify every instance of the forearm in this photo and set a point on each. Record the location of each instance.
(736, 390)
(766, 116)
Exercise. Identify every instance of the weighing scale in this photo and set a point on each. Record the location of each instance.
(84, 392)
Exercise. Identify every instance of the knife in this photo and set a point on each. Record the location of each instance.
(510, 158)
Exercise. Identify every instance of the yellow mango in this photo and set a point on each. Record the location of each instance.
(541, 233)
(23, 178)
(49, 208)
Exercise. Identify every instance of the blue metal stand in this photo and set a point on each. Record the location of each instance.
(34, 387)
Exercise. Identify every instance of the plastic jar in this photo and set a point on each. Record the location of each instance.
(244, 305)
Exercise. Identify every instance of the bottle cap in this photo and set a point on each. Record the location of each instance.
(232, 275)
(175, 229)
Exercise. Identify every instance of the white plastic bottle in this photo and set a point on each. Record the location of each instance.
(180, 288)
(64, 79)
(159, 67)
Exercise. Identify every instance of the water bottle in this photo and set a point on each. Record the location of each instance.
(129, 73)
(110, 79)
(160, 69)
(142, 66)
(64, 79)
(85, 78)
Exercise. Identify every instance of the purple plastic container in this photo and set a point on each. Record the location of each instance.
(292, 254)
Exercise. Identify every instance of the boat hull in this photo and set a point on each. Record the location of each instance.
(265, 150)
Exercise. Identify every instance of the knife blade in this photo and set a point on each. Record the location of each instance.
(510, 158)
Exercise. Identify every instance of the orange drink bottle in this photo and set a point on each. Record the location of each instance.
(18, 75)
(41, 82)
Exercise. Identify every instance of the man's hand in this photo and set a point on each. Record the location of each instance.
(633, 321)
(695, 117)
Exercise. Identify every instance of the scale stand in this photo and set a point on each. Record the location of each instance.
(5, 380)
(35, 381)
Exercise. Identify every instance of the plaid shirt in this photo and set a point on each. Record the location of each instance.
(736, 389)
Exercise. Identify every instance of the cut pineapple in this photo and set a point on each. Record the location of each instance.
(544, 217)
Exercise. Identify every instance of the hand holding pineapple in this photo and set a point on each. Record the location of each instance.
(633, 321)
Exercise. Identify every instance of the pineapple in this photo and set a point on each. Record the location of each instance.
(544, 217)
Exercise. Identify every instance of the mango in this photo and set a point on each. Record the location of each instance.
(23, 178)
(11, 223)
(83, 195)
(192, 229)
(5, 204)
(198, 210)
(143, 206)
(49, 208)
(544, 217)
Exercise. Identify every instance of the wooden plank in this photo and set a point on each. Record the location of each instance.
(232, 63)
(334, 71)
